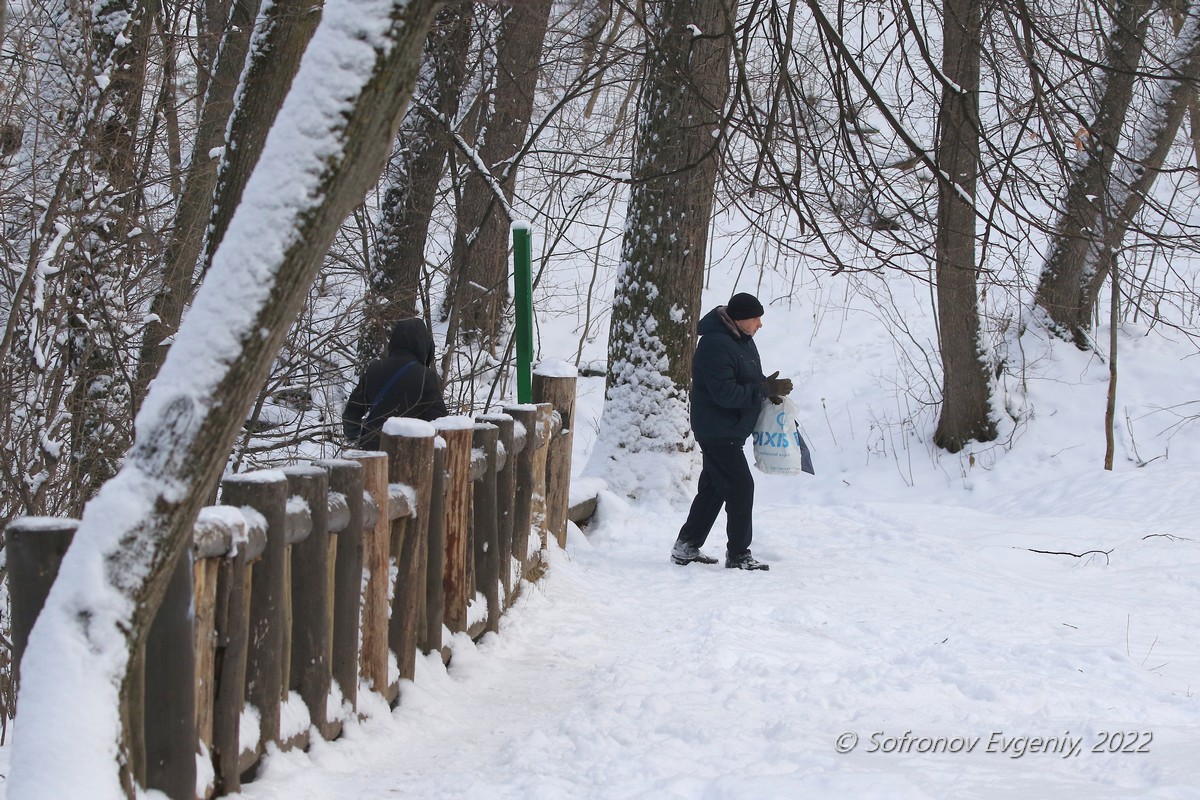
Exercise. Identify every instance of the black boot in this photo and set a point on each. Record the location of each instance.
(744, 561)
(683, 553)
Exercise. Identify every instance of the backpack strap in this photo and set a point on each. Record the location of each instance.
(387, 386)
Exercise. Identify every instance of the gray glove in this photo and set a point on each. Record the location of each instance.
(776, 387)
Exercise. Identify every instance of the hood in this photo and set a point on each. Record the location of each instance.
(413, 337)
(717, 321)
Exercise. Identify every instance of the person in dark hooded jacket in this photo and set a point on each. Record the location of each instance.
(404, 384)
(728, 390)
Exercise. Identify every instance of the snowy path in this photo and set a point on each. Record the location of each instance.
(623, 676)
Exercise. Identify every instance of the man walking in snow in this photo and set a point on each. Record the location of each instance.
(404, 384)
(728, 390)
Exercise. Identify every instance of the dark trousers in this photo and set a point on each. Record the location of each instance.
(725, 480)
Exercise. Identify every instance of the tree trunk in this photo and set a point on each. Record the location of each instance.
(99, 268)
(965, 412)
(1150, 142)
(196, 204)
(479, 268)
(1071, 264)
(283, 32)
(417, 167)
(118, 566)
(656, 302)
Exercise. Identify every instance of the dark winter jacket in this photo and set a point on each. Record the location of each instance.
(727, 382)
(402, 385)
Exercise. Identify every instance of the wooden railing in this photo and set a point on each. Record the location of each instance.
(306, 580)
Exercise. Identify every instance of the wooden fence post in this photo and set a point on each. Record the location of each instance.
(265, 492)
(346, 479)
(505, 499)
(170, 689)
(538, 511)
(435, 596)
(484, 525)
(312, 600)
(233, 551)
(559, 392)
(456, 431)
(205, 575)
(522, 520)
(409, 446)
(375, 564)
(34, 548)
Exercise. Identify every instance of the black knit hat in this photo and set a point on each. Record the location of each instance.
(743, 306)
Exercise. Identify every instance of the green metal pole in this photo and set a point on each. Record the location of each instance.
(523, 295)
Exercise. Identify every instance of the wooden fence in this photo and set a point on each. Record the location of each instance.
(306, 580)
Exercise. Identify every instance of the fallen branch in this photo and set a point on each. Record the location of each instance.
(1105, 553)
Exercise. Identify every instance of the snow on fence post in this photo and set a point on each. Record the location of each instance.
(456, 432)
(484, 525)
(346, 481)
(375, 569)
(310, 673)
(554, 383)
(409, 446)
(34, 548)
(435, 596)
(525, 428)
(266, 492)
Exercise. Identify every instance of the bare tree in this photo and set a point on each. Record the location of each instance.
(418, 164)
(186, 237)
(352, 88)
(1127, 184)
(656, 302)
(1070, 265)
(479, 268)
(966, 392)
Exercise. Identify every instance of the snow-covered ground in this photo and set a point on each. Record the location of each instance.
(908, 616)
(1010, 622)
(929, 638)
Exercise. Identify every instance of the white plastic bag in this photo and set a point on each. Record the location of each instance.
(779, 449)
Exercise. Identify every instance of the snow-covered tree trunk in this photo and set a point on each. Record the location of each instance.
(417, 167)
(656, 302)
(965, 412)
(107, 187)
(1071, 258)
(329, 144)
(281, 37)
(1149, 142)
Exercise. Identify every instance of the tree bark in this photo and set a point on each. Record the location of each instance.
(1151, 140)
(417, 167)
(656, 302)
(108, 191)
(479, 267)
(1071, 263)
(115, 574)
(965, 412)
(284, 31)
(196, 203)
